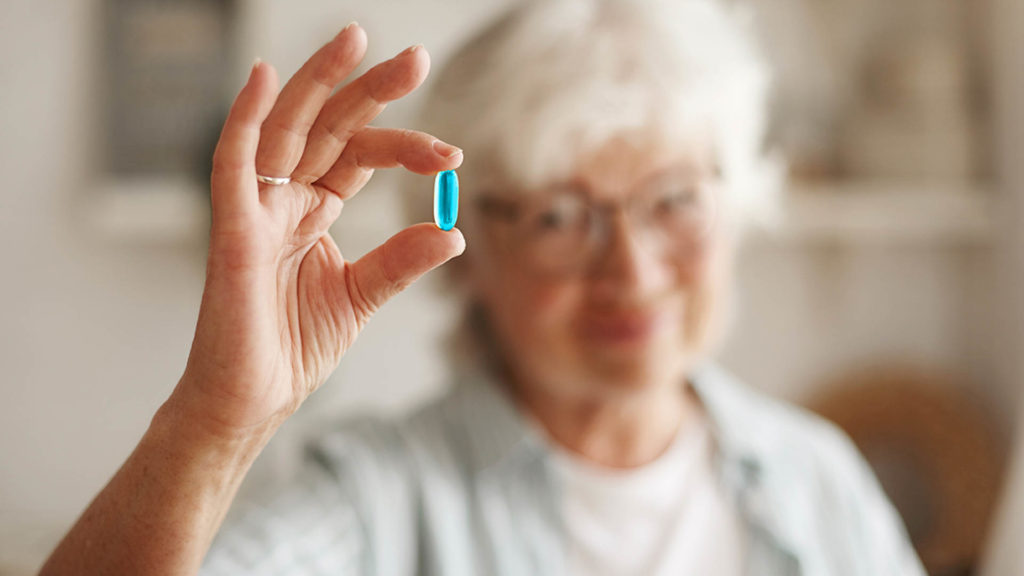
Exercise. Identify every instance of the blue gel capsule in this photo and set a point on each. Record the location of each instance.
(446, 199)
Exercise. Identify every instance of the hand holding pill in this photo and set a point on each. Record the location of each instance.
(281, 303)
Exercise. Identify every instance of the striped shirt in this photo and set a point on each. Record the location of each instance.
(464, 487)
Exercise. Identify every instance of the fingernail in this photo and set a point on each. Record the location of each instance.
(463, 249)
(255, 64)
(446, 150)
(411, 49)
(341, 33)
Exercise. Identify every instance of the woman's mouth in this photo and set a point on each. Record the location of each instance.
(626, 328)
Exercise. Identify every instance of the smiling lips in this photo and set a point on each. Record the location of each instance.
(623, 328)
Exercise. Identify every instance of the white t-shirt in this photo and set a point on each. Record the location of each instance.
(668, 517)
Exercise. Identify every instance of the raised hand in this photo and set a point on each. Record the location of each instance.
(281, 304)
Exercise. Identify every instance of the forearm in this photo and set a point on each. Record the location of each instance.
(160, 512)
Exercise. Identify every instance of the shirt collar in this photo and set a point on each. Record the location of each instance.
(745, 426)
(497, 431)
(732, 417)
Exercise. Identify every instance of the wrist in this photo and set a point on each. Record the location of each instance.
(186, 422)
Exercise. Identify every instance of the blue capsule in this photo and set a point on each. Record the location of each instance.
(446, 199)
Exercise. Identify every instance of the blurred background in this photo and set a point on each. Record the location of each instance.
(889, 295)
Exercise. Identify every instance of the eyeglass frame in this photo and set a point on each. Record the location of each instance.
(488, 204)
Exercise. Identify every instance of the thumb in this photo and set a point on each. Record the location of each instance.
(394, 265)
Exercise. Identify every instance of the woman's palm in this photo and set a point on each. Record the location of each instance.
(281, 304)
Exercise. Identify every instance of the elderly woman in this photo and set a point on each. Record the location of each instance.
(614, 156)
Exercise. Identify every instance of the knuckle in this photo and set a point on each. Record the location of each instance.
(390, 80)
(223, 162)
(291, 127)
(334, 130)
(411, 138)
(332, 67)
(362, 306)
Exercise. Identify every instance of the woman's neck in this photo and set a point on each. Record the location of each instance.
(617, 431)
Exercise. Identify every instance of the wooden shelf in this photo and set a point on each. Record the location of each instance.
(864, 212)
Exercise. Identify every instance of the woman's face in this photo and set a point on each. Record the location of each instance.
(629, 314)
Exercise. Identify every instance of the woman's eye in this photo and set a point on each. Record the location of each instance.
(676, 201)
(551, 219)
(560, 215)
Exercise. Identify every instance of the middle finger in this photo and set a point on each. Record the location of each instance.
(283, 134)
(356, 105)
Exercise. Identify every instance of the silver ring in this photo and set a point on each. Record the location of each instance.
(272, 180)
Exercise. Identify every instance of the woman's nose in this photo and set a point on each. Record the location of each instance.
(625, 268)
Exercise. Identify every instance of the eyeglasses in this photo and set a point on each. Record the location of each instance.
(561, 230)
